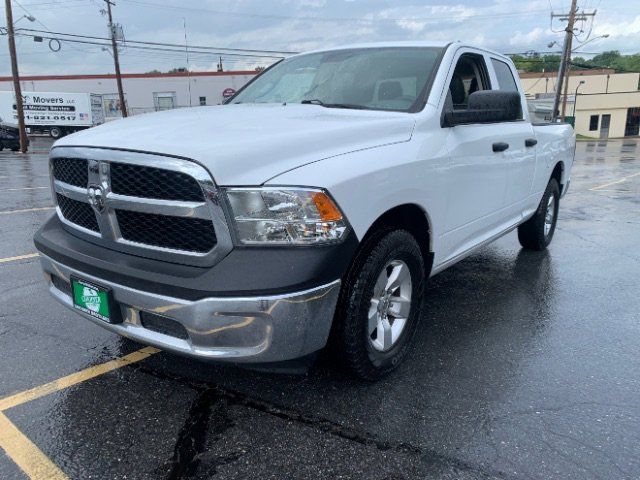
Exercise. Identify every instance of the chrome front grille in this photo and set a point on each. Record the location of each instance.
(145, 204)
(77, 212)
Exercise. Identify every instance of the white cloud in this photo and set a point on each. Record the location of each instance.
(503, 25)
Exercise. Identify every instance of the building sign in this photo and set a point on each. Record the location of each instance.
(228, 92)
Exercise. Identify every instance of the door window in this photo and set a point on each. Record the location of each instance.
(593, 122)
(469, 76)
(604, 126)
(506, 82)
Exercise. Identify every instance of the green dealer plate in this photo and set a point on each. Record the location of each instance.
(92, 299)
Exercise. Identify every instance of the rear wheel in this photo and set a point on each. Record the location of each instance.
(537, 232)
(380, 305)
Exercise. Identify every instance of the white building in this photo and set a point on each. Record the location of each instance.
(144, 92)
(605, 103)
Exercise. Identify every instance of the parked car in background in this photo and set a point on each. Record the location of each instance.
(55, 113)
(311, 208)
(9, 137)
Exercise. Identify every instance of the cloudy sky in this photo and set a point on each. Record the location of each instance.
(509, 26)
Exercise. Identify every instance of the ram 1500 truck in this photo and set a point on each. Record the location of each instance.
(310, 209)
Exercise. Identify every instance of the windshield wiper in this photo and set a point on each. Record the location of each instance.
(315, 101)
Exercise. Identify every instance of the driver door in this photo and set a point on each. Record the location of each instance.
(477, 179)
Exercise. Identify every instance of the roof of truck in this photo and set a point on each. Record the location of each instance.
(409, 43)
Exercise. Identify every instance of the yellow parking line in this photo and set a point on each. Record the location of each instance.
(75, 378)
(35, 464)
(622, 180)
(24, 210)
(26, 455)
(19, 257)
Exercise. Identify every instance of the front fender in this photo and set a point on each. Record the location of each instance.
(368, 183)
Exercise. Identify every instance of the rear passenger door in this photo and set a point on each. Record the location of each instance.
(519, 159)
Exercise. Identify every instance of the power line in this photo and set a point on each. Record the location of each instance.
(163, 44)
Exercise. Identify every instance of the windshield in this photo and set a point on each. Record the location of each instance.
(366, 78)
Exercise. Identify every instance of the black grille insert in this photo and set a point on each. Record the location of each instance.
(178, 233)
(62, 285)
(71, 170)
(163, 325)
(151, 182)
(77, 212)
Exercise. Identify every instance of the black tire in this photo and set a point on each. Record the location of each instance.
(56, 132)
(532, 234)
(351, 340)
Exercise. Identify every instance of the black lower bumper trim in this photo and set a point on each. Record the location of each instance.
(243, 272)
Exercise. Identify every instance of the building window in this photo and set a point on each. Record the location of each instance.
(632, 126)
(593, 123)
(203, 101)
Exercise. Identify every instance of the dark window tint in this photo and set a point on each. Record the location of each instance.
(593, 122)
(506, 82)
(362, 78)
(468, 77)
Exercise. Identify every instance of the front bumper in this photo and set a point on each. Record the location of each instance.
(269, 328)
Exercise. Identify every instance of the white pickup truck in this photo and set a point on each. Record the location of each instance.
(310, 209)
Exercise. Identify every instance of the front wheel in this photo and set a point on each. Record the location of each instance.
(380, 305)
(55, 132)
(537, 232)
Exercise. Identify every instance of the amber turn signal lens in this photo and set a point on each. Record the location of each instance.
(328, 210)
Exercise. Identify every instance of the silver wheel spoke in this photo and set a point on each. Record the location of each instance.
(549, 215)
(378, 289)
(373, 316)
(385, 336)
(399, 273)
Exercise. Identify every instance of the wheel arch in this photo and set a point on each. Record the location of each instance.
(558, 173)
(407, 216)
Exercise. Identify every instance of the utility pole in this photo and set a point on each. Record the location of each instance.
(16, 78)
(565, 61)
(116, 60)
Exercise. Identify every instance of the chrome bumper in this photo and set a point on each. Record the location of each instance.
(235, 329)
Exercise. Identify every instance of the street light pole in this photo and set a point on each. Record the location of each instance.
(16, 78)
(575, 100)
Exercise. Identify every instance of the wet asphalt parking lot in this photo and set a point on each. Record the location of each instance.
(526, 365)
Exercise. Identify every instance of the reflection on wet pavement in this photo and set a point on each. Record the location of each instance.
(527, 365)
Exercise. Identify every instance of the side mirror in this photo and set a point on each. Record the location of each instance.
(487, 106)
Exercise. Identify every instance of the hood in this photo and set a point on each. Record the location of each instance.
(249, 144)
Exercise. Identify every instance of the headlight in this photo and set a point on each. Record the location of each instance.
(285, 216)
